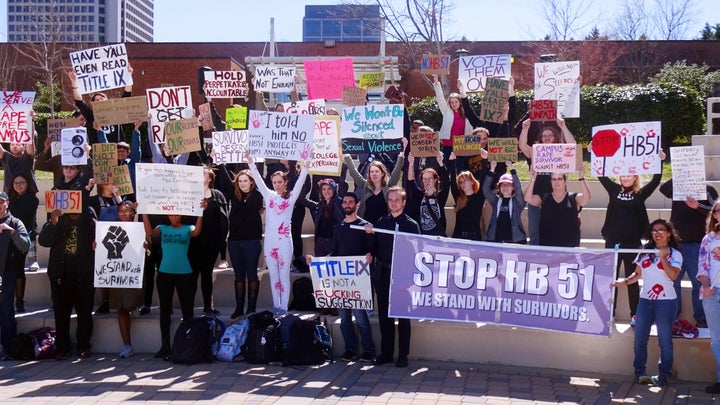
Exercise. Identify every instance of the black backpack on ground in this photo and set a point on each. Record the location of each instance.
(196, 341)
(303, 298)
(305, 342)
(263, 343)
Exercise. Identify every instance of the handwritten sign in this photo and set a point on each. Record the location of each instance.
(373, 128)
(354, 96)
(280, 135)
(371, 80)
(435, 64)
(54, 126)
(502, 150)
(688, 172)
(120, 110)
(182, 136)
(236, 118)
(67, 201)
(205, 117)
(474, 69)
(469, 145)
(119, 254)
(104, 158)
(225, 84)
(167, 104)
(495, 98)
(122, 180)
(554, 157)
(102, 68)
(543, 110)
(308, 107)
(274, 79)
(424, 144)
(638, 152)
(559, 81)
(341, 282)
(229, 146)
(72, 145)
(325, 157)
(15, 121)
(326, 78)
(169, 189)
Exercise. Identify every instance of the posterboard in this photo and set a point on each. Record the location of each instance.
(100, 69)
(15, 120)
(274, 79)
(168, 104)
(167, 189)
(502, 150)
(119, 254)
(435, 64)
(278, 135)
(474, 69)
(625, 149)
(326, 78)
(554, 158)
(123, 110)
(236, 118)
(341, 282)
(308, 107)
(229, 146)
(225, 84)
(425, 144)
(325, 157)
(105, 156)
(54, 126)
(543, 110)
(467, 145)
(205, 117)
(72, 145)
(495, 98)
(375, 128)
(122, 180)
(67, 201)
(688, 172)
(181, 136)
(372, 80)
(559, 81)
(354, 96)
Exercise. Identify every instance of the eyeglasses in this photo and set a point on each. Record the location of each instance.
(658, 231)
(19, 183)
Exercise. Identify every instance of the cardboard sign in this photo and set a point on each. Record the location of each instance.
(120, 110)
(637, 152)
(166, 189)
(502, 150)
(424, 144)
(236, 118)
(104, 158)
(469, 145)
(354, 96)
(274, 79)
(543, 110)
(688, 172)
(229, 146)
(373, 128)
(102, 68)
(559, 81)
(326, 78)
(122, 180)
(67, 201)
(225, 84)
(325, 157)
(54, 126)
(72, 144)
(15, 120)
(435, 64)
(168, 104)
(371, 80)
(473, 70)
(280, 135)
(206, 117)
(554, 157)
(495, 98)
(308, 107)
(341, 282)
(182, 136)
(119, 254)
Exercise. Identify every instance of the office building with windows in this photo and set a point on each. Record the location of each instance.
(342, 23)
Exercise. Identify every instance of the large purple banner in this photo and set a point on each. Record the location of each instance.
(565, 289)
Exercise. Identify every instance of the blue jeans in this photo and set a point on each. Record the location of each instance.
(690, 253)
(348, 331)
(712, 315)
(8, 324)
(662, 314)
(534, 224)
(244, 255)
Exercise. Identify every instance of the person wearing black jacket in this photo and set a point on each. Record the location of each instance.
(427, 205)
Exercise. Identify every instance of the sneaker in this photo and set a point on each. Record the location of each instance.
(380, 360)
(19, 307)
(222, 265)
(643, 379)
(104, 308)
(84, 354)
(163, 353)
(367, 356)
(660, 380)
(144, 310)
(402, 361)
(33, 267)
(126, 352)
(211, 312)
(349, 355)
(701, 323)
(713, 389)
(632, 321)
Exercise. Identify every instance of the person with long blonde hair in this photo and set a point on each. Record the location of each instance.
(468, 205)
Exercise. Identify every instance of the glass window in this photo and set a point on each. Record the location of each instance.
(331, 28)
(312, 28)
(352, 28)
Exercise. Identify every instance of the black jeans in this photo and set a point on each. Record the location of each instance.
(184, 284)
(152, 262)
(70, 293)
(202, 260)
(387, 325)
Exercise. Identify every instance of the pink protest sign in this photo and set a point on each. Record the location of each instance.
(326, 78)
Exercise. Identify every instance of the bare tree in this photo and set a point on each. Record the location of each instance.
(8, 61)
(672, 18)
(631, 21)
(565, 19)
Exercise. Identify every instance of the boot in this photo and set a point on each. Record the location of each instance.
(253, 290)
(20, 295)
(239, 299)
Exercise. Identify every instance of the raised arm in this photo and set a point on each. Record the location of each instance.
(359, 180)
(523, 140)
(439, 96)
(530, 198)
(567, 135)
(150, 232)
(584, 197)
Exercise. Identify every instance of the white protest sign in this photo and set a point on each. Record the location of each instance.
(626, 149)
(167, 189)
(559, 81)
(119, 255)
(309, 107)
(15, 120)
(376, 128)
(167, 104)
(474, 69)
(274, 79)
(554, 158)
(229, 146)
(688, 172)
(102, 68)
(280, 136)
(72, 146)
(325, 157)
(225, 84)
(341, 282)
